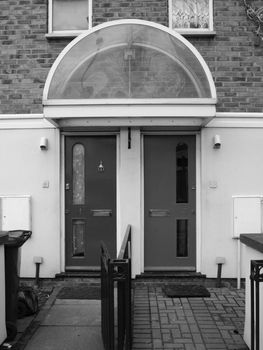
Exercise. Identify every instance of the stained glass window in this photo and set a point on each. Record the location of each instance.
(191, 15)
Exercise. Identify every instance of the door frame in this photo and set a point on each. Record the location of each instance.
(198, 191)
(62, 160)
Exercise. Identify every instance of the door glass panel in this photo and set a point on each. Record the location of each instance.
(78, 174)
(182, 173)
(182, 238)
(78, 230)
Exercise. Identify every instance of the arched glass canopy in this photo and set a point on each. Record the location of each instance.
(129, 59)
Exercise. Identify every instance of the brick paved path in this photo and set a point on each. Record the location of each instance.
(162, 323)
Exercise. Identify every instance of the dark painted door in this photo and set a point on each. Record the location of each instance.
(170, 201)
(90, 197)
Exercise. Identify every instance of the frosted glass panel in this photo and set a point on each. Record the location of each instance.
(78, 238)
(182, 173)
(78, 174)
(70, 15)
(182, 238)
(129, 61)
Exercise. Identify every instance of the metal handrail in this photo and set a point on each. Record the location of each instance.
(125, 247)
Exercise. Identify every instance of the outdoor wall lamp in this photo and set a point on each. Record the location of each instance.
(43, 144)
(217, 141)
(256, 15)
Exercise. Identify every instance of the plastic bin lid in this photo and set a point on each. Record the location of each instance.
(17, 237)
(3, 237)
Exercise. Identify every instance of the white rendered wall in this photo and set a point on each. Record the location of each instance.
(26, 170)
(129, 194)
(236, 169)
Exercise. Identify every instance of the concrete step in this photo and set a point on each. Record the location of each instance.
(170, 276)
(81, 276)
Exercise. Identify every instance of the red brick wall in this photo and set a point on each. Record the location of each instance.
(26, 55)
(148, 10)
(236, 64)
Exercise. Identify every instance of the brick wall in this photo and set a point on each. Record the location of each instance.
(148, 10)
(26, 55)
(234, 60)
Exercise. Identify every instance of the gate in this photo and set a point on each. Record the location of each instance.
(116, 297)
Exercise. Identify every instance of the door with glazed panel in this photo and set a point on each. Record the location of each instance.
(170, 203)
(90, 199)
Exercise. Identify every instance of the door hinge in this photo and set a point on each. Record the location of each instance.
(67, 187)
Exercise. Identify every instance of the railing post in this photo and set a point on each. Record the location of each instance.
(252, 310)
(107, 299)
(256, 276)
(111, 306)
(119, 271)
(129, 308)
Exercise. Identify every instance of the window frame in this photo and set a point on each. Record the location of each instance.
(65, 33)
(193, 31)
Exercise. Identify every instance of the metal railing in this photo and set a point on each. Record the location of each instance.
(256, 276)
(116, 327)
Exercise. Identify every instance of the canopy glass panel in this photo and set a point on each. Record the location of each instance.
(129, 61)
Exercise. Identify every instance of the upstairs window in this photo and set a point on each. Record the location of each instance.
(69, 17)
(193, 17)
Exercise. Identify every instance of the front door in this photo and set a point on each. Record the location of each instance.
(90, 198)
(169, 172)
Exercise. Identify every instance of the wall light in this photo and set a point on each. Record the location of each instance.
(217, 141)
(43, 144)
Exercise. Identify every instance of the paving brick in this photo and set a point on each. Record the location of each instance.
(210, 327)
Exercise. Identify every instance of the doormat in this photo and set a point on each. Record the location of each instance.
(186, 291)
(80, 292)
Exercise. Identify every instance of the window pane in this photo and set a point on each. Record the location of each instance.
(182, 173)
(190, 14)
(70, 15)
(78, 174)
(78, 238)
(182, 238)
